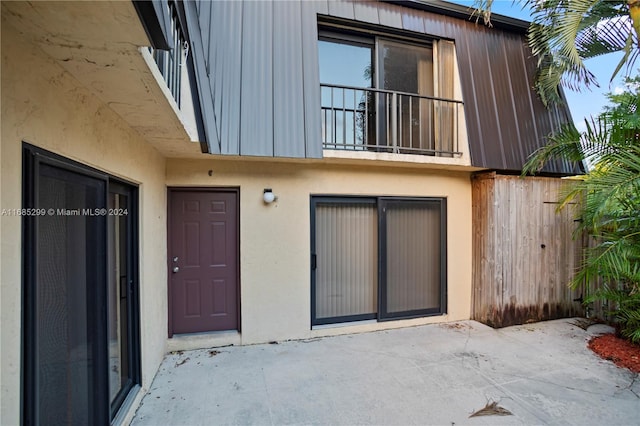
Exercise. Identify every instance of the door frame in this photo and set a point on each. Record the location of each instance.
(216, 189)
(33, 158)
(381, 203)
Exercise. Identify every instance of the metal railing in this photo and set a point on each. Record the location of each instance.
(367, 119)
(170, 62)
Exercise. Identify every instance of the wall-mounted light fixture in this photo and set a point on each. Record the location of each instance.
(268, 196)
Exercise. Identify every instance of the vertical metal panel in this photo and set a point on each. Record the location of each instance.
(506, 120)
(489, 113)
(341, 9)
(162, 11)
(412, 21)
(366, 11)
(256, 99)
(520, 95)
(231, 64)
(434, 27)
(502, 92)
(204, 18)
(318, 6)
(472, 118)
(488, 106)
(311, 80)
(288, 87)
(218, 55)
(390, 16)
(202, 78)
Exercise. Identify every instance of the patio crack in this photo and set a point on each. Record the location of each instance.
(266, 391)
(630, 387)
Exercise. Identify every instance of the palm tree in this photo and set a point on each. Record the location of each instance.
(610, 201)
(564, 33)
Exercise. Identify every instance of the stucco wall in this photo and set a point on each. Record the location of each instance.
(275, 239)
(43, 105)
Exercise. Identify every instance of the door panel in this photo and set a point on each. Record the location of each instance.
(80, 315)
(203, 250)
(377, 258)
(346, 272)
(69, 280)
(412, 257)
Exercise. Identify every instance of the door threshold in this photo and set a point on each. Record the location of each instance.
(212, 339)
(344, 324)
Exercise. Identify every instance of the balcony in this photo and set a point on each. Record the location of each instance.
(170, 62)
(367, 119)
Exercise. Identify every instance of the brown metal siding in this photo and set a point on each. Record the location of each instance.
(256, 103)
(506, 120)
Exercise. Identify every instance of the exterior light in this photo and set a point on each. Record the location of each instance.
(268, 197)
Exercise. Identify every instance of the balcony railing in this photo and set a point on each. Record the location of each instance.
(171, 62)
(367, 119)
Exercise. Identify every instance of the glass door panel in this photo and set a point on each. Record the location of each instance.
(346, 251)
(407, 120)
(348, 116)
(80, 295)
(69, 275)
(413, 256)
(118, 318)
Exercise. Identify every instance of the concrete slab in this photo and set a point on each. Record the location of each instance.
(542, 373)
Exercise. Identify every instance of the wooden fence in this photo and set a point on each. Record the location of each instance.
(524, 251)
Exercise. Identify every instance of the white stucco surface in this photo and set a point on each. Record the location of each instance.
(275, 238)
(44, 106)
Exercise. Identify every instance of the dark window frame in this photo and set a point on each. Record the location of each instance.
(119, 186)
(418, 115)
(32, 159)
(381, 202)
(337, 200)
(370, 39)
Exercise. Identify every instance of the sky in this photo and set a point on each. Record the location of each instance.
(587, 102)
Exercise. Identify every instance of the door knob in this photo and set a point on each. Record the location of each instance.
(175, 269)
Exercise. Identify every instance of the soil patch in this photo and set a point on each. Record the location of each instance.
(622, 352)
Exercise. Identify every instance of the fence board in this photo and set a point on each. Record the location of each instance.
(524, 251)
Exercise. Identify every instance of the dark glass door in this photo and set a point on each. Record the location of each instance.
(64, 299)
(80, 292)
(121, 301)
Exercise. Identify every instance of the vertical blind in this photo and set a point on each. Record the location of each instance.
(445, 111)
(412, 257)
(347, 266)
(350, 251)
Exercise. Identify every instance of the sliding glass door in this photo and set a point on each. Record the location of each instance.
(79, 292)
(377, 258)
(412, 259)
(66, 287)
(346, 253)
(121, 297)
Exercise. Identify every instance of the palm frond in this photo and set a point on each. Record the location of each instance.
(564, 33)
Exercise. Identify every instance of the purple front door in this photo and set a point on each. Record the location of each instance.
(203, 261)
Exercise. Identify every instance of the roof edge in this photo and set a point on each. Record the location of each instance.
(463, 12)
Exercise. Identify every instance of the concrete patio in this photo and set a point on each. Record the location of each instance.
(437, 374)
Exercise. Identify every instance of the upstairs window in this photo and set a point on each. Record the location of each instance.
(388, 95)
